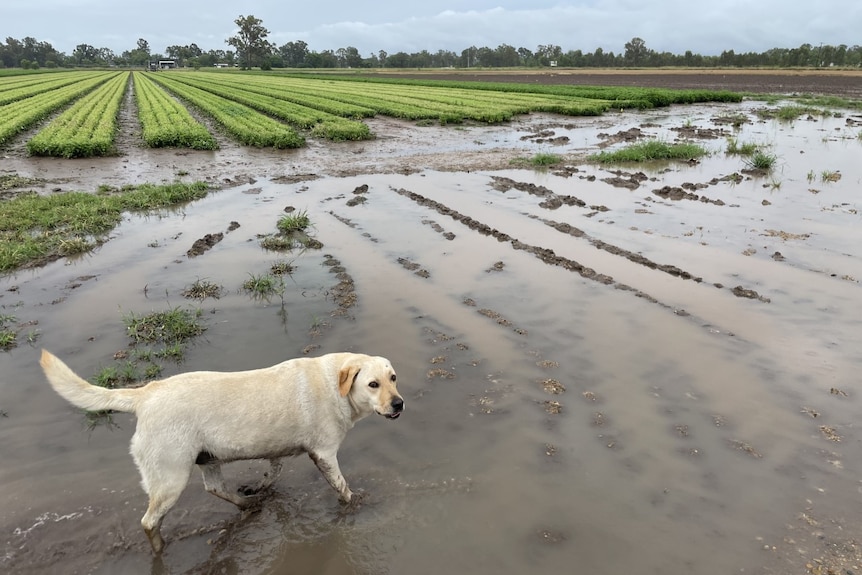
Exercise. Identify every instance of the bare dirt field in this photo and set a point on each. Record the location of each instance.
(846, 83)
(627, 369)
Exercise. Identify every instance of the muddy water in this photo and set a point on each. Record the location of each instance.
(641, 423)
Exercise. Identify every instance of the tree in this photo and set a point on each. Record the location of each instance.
(250, 43)
(140, 55)
(398, 60)
(84, 54)
(350, 57)
(636, 51)
(294, 54)
(507, 55)
(548, 54)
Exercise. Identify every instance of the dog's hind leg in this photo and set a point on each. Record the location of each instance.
(164, 475)
(164, 491)
(269, 478)
(214, 483)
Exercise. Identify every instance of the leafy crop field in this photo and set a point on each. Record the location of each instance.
(281, 110)
(27, 105)
(321, 122)
(85, 129)
(165, 122)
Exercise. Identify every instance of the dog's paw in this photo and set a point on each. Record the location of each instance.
(355, 502)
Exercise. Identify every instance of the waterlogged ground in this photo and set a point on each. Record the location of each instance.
(646, 369)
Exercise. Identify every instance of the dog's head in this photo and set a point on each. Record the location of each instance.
(370, 383)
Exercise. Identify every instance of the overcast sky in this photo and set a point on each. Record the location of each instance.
(410, 26)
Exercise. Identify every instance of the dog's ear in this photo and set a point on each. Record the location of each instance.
(346, 376)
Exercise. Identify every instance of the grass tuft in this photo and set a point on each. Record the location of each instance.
(762, 161)
(202, 289)
(649, 151)
(176, 325)
(737, 149)
(830, 176)
(8, 333)
(282, 268)
(544, 159)
(263, 285)
(290, 223)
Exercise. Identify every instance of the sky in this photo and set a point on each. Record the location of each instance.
(704, 27)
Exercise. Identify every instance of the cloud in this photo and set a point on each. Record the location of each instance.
(395, 26)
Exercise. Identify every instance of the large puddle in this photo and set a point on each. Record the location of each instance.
(588, 389)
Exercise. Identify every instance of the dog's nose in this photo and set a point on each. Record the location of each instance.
(397, 404)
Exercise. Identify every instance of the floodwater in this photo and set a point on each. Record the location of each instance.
(653, 421)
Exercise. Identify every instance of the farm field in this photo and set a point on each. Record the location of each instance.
(607, 368)
(267, 111)
(25, 106)
(167, 123)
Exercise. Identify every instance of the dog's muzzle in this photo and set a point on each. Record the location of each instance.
(397, 407)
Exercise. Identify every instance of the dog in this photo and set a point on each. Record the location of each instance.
(207, 418)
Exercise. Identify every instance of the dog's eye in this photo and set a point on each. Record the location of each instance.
(393, 377)
(373, 384)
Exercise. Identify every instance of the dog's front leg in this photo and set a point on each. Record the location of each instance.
(327, 463)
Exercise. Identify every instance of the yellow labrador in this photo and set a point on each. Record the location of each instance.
(303, 405)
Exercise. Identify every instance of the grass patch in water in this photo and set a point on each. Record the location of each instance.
(734, 147)
(649, 151)
(762, 161)
(8, 335)
(202, 289)
(263, 285)
(36, 229)
(169, 327)
(293, 222)
(540, 160)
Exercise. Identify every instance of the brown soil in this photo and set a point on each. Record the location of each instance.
(846, 83)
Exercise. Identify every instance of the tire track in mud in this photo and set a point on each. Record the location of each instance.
(548, 256)
(562, 227)
(553, 201)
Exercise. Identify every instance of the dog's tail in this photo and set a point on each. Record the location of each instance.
(80, 393)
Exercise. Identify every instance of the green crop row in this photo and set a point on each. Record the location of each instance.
(32, 86)
(87, 128)
(412, 106)
(14, 82)
(488, 106)
(165, 122)
(321, 123)
(448, 105)
(387, 107)
(264, 86)
(18, 116)
(384, 107)
(632, 96)
(245, 124)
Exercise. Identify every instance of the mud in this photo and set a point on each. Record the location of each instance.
(612, 370)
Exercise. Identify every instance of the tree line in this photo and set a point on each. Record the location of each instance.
(252, 49)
